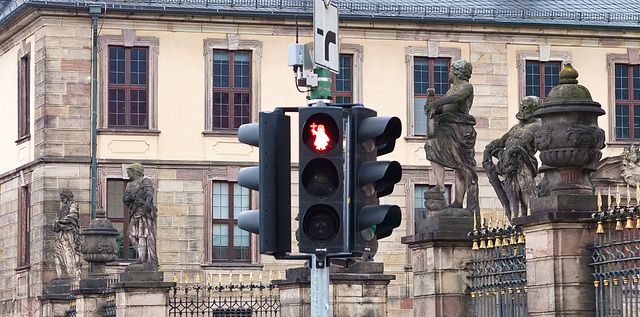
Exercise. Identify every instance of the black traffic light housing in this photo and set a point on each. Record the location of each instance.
(369, 179)
(272, 178)
(321, 195)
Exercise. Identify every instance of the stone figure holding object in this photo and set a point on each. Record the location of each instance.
(516, 162)
(138, 197)
(67, 247)
(453, 141)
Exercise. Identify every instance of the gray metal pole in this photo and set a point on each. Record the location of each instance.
(94, 11)
(319, 286)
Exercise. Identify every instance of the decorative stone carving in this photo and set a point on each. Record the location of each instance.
(630, 165)
(517, 164)
(453, 141)
(138, 197)
(67, 244)
(100, 246)
(569, 139)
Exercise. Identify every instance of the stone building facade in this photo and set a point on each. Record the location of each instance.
(46, 88)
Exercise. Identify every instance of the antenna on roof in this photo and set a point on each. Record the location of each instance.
(296, 29)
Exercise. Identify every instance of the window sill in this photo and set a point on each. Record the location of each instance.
(231, 265)
(616, 143)
(221, 133)
(23, 139)
(128, 132)
(23, 268)
(416, 138)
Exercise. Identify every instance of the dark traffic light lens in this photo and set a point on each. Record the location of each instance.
(320, 178)
(321, 223)
(321, 133)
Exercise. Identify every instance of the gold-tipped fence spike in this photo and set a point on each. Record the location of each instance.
(475, 226)
(219, 278)
(599, 200)
(230, 278)
(490, 221)
(600, 228)
(521, 238)
(260, 277)
(186, 278)
(197, 278)
(209, 279)
(498, 218)
(240, 278)
(475, 245)
(175, 278)
(628, 196)
(609, 199)
(251, 277)
(617, 196)
(505, 241)
(270, 275)
(483, 244)
(618, 224)
(481, 220)
(629, 224)
(596, 283)
(489, 243)
(498, 242)
(528, 210)
(513, 239)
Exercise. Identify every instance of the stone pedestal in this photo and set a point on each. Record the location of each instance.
(558, 233)
(360, 290)
(440, 284)
(57, 298)
(142, 292)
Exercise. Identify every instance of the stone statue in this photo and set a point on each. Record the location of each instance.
(138, 197)
(67, 248)
(630, 165)
(517, 164)
(453, 141)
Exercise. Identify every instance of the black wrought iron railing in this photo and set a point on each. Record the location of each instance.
(498, 272)
(616, 259)
(225, 300)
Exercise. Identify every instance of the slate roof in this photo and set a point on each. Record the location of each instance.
(601, 13)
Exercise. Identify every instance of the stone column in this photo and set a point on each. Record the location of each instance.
(440, 284)
(558, 232)
(135, 299)
(360, 290)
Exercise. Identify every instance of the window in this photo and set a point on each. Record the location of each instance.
(427, 73)
(426, 67)
(229, 242)
(421, 211)
(118, 214)
(342, 83)
(627, 102)
(24, 84)
(231, 89)
(541, 77)
(128, 83)
(232, 78)
(24, 227)
(128, 89)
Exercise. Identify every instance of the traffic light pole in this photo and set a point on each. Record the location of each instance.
(319, 286)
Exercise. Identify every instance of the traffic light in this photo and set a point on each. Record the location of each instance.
(369, 179)
(321, 199)
(272, 178)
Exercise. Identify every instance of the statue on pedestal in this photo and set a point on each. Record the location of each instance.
(517, 164)
(138, 197)
(67, 248)
(453, 140)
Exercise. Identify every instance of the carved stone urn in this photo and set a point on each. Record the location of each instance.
(100, 246)
(569, 138)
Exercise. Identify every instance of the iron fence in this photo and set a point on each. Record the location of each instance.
(616, 259)
(72, 309)
(109, 308)
(225, 300)
(498, 272)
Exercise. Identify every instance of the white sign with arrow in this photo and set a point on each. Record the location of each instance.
(326, 51)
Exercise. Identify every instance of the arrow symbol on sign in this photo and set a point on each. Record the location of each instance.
(326, 3)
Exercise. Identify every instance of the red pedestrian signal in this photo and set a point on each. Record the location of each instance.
(320, 133)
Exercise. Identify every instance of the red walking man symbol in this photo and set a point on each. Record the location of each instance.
(322, 139)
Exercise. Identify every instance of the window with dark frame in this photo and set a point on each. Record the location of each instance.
(24, 83)
(24, 227)
(627, 94)
(128, 87)
(427, 73)
(541, 77)
(229, 242)
(231, 89)
(342, 83)
(421, 211)
(118, 214)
